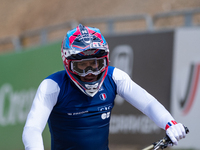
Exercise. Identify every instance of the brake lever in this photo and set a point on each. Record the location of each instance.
(159, 144)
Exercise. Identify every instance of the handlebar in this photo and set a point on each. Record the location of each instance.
(163, 143)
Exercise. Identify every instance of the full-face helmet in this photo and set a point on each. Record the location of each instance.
(85, 45)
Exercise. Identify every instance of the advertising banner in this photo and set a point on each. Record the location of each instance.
(20, 76)
(185, 98)
(147, 58)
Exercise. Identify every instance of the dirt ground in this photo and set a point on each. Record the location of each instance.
(17, 17)
(22, 15)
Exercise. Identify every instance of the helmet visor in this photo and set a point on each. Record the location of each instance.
(86, 66)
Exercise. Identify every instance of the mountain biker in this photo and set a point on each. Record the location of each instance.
(77, 101)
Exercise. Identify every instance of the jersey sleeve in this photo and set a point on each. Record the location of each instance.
(43, 103)
(140, 98)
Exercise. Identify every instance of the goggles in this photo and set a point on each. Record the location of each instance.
(86, 66)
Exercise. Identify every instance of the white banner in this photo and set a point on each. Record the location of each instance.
(185, 94)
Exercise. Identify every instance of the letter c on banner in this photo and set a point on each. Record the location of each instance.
(122, 57)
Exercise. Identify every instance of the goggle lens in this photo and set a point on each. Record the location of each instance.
(86, 66)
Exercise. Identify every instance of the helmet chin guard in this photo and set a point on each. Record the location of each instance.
(84, 45)
(90, 88)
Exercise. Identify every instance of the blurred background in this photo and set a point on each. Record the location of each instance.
(155, 41)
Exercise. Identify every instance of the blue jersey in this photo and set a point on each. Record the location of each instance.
(80, 122)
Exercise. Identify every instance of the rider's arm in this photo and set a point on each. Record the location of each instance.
(43, 103)
(141, 99)
(147, 104)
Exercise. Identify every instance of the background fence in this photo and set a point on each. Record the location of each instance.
(108, 26)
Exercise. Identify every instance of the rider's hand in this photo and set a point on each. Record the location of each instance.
(175, 131)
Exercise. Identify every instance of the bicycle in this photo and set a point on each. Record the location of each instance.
(162, 143)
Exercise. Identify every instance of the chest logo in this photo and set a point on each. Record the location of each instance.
(103, 96)
(105, 115)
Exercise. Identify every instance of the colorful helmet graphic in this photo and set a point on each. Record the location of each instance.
(82, 46)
